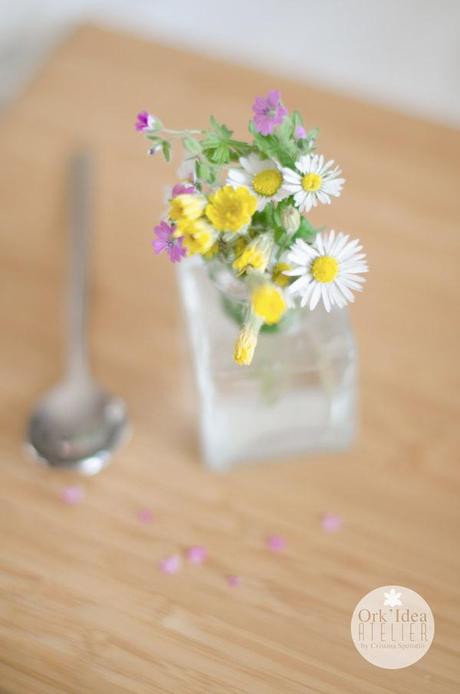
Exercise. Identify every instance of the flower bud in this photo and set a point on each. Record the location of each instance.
(290, 219)
(153, 150)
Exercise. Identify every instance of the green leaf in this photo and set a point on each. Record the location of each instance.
(285, 131)
(219, 155)
(221, 129)
(166, 147)
(203, 170)
(296, 120)
(191, 145)
(306, 231)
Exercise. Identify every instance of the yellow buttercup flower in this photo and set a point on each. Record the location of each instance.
(268, 303)
(199, 236)
(278, 275)
(231, 209)
(187, 206)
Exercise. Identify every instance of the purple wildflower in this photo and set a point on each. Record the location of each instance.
(165, 241)
(145, 121)
(268, 112)
(300, 133)
(183, 189)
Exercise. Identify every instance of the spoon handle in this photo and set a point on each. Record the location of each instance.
(80, 185)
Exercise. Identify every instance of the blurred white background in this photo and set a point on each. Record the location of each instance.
(404, 53)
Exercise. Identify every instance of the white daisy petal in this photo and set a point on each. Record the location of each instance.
(306, 295)
(297, 286)
(295, 272)
(315, 296)
(325, 297)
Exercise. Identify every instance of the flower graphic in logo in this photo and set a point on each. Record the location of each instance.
(392, 598)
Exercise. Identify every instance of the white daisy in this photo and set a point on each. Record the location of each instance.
(314, 181)
(328, 269)
(263, 177)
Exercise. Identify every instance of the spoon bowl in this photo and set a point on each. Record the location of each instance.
(77, 426)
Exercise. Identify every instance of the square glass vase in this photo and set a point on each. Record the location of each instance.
(297, 397)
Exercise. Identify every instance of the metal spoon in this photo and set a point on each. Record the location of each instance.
(77, 425)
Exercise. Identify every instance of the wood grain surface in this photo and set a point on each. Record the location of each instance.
(83, 606)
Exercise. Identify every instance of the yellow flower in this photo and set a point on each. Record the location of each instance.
(230, 209)
(278, 275)
(255, 255)
(246, 343)
(268, 303)
(187, 206)
(199, 236)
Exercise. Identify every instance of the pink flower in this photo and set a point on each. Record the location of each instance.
(145, 515)
(300, 133)
(72, 495)
(171, 565)
(165, 241)
(183, 189)
(276, 543)
(144, 121)
(330, 522)
(197, 554)
(268, 112)
(233, 581)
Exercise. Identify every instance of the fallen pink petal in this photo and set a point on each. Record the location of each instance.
(171, 564)
(197, 554)
(331, 522)
(72, 495)
(276, 543)
(145, 515)
(233, 581)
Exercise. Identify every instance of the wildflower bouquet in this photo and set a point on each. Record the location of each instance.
(245, 204)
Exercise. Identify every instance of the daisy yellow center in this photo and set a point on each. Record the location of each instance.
(267, 182)
(311, 182)
(325, 269)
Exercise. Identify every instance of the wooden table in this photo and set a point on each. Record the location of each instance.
(83, 605)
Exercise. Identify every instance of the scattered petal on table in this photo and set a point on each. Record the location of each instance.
(233, 581)
(171, 564)
(276, 543)
(331, 522)
(72, 495)
(145, 515)
(197, 554)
